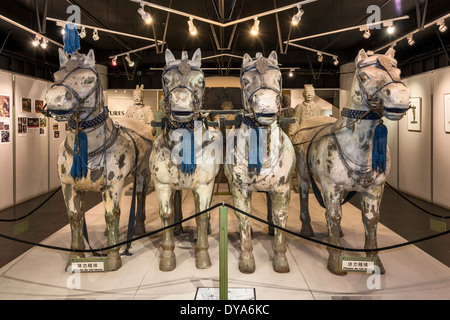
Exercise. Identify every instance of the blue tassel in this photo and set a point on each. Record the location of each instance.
(379, 148)
(80, 157)
(188, 164)
(71, 39)
(255, 151)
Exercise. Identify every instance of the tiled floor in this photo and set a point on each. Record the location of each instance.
(411, 273)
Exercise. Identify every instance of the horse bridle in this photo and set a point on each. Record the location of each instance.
(261, 66)
(79, 100)
(185, 69)
(372, 102)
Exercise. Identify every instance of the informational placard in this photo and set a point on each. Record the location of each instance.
(92, 264)
(233, 294)
(356, 264)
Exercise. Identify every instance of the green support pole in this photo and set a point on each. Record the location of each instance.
(223, 252)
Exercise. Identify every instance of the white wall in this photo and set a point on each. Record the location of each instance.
(441, 139)
(6, 149)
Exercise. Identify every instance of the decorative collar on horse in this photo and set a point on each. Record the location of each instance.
(184, 86)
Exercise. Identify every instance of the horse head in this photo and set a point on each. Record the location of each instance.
(184, 86)
(261, 87)
(377, 85)
(76, 83)
(138, 94)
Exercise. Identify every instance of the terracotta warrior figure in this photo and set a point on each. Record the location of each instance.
(140, 111)
(306, 109)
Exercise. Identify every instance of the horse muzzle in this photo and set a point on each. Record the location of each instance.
(266, 118)
(182, 116)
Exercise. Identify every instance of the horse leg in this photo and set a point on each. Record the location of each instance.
(202, 198)
(74, 199)
(333, 198)
(370, 203)
(143, 179)
(303, 186)
(270, 213)
(280, 201)
(178, 229)
(165, 197)
(242, 200)
(111, 201)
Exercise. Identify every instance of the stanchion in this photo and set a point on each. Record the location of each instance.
(223, 253)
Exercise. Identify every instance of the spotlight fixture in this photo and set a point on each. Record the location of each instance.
(145, 15)
(63, 32)
(336, 61)
(442, 26)
(130, 62)
(36, 41)
(391, 28)
(82, 32)
(192, 28)
(291, 74)
(114, 61)
(95, 36)
(366, 34)
(410, 40)
(44, 43)
(319, 56)
(298, 16)
(255, 27)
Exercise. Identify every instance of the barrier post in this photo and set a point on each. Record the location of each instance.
(223, 252)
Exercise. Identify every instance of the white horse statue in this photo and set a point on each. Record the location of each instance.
(183, 86)
(96, 155)
(351, 154)
(263, 157)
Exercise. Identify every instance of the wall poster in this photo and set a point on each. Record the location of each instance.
(26, 105)
(414, 114)
(38, 106)
(4, 106)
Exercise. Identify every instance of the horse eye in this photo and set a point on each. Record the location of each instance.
(364, 77)
(88, 80)
(246, 82)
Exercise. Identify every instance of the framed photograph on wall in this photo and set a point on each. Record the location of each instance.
(415, 115)
(447, 112)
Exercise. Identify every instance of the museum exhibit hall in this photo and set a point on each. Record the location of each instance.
(226, 150)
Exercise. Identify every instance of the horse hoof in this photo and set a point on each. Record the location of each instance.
(178, 231)
(307, 230)
(138, 230)
(202, 259)
(114, 261)
(247, 263)
(280, 263)
(333, 267)
(380, 266)
(341, 233)
(167, 261)
(271, 231)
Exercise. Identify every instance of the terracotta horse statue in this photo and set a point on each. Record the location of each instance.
(97, 155)
(262, 156)
(184, 155)
(351, 154)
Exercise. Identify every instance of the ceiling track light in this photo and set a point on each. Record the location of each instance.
(390, 27)
(145, 15)
(114, 61)
(410, 40)
(298, 16)
(441, 25)
(192, 28)
(366, 34)
(36, 41)
(291, 73)
(319, 56)
(130, 62)
(336, 61)
(255, 28)
(95, 36)
(44, 43)
(82, 32)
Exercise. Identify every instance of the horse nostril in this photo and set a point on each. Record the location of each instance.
(387, 92)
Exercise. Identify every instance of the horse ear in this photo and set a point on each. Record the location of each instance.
(197, 57)
(169, 56)
(90, 59)
(246, 59)
(142, 87)
(361, 56)
(273, 56)
(390, 53)
(63, 58)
